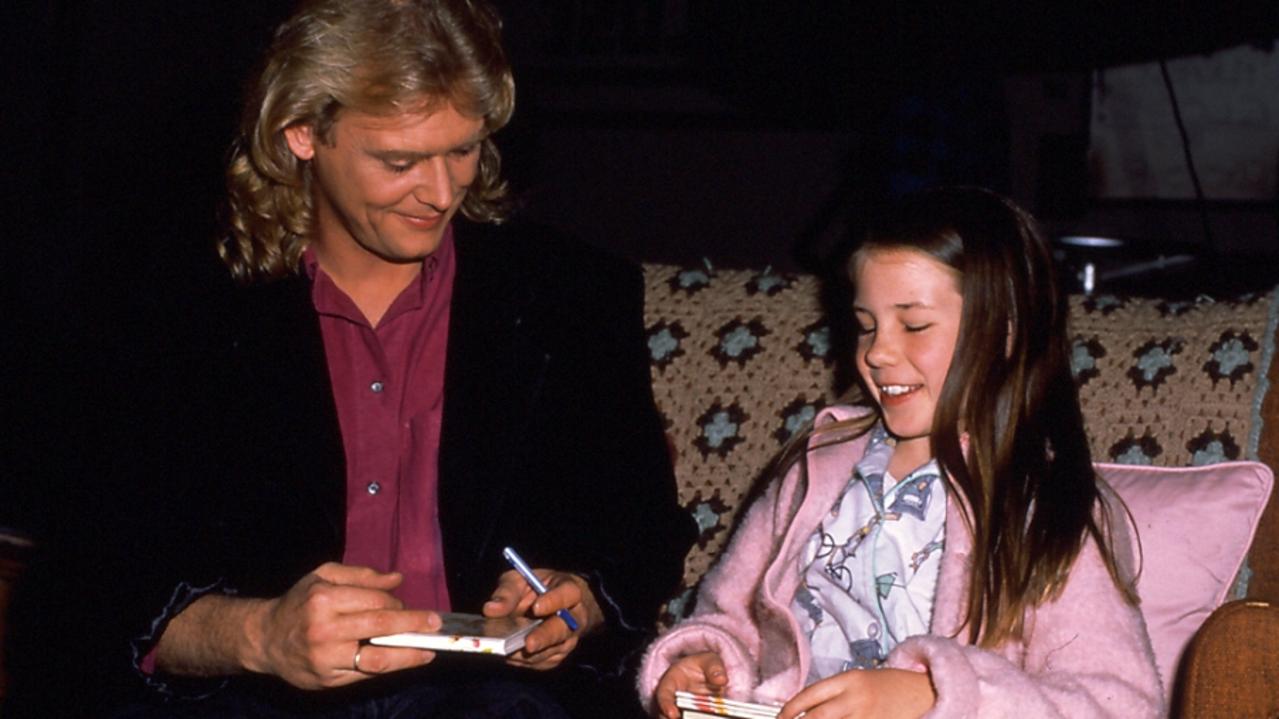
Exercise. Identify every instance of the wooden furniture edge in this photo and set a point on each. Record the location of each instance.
(1240, 639)
(1264, 555)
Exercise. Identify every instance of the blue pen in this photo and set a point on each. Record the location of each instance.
(518, 562)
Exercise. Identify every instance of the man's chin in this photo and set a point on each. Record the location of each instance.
(410, 252)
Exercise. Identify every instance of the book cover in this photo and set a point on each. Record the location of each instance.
(706, 706)
(462, 632)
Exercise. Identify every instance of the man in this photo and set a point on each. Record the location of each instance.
(400, 390)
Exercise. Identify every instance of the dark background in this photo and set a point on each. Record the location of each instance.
(748, 133)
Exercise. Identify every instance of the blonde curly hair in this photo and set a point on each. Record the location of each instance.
(378, 56)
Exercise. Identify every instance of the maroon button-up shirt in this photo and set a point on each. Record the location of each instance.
(388, 383)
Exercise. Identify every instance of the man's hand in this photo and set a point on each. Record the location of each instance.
(548, 645)
(308, 637)
(698, 673)
(891, 693)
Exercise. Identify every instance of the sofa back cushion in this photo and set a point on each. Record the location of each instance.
(740, 361)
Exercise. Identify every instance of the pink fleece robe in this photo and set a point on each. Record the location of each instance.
(1084, 654)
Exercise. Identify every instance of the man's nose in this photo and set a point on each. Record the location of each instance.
(435, 185)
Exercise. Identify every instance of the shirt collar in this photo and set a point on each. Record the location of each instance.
(874, 464)
(329, 299)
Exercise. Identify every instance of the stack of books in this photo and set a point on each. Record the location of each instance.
(706, 706)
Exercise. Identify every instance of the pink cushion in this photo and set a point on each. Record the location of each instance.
(1195, 525)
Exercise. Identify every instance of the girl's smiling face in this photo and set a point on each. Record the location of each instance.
(908, 308)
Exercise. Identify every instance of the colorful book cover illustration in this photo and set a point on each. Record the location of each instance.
(462, 632)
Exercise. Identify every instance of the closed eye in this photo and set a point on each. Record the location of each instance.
(864, 322)
(466, 150)
(918, 328)
(398, 168)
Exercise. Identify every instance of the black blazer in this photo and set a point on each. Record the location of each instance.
(550, 443)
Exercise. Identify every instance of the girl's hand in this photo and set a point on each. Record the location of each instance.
(699, 673)
(864, 693)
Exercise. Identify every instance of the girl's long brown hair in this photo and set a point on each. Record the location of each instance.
(1028, 490)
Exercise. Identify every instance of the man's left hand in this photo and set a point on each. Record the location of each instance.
(548, 645)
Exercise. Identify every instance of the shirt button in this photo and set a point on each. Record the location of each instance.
(376, 387)
(374, 487)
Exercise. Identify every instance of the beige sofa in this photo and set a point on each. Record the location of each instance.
(742, 358)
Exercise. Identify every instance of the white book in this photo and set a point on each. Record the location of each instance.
(701, 706)
(461, 632)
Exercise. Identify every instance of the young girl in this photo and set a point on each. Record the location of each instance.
(946, 549)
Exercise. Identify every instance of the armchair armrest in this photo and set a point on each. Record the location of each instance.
(14, 551)
(1231, 667)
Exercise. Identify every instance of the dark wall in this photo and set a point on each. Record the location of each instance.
(749, 133)
(116, 116)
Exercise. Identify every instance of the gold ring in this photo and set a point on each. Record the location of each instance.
(355, 660)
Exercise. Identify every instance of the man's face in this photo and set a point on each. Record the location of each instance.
(386, 186)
